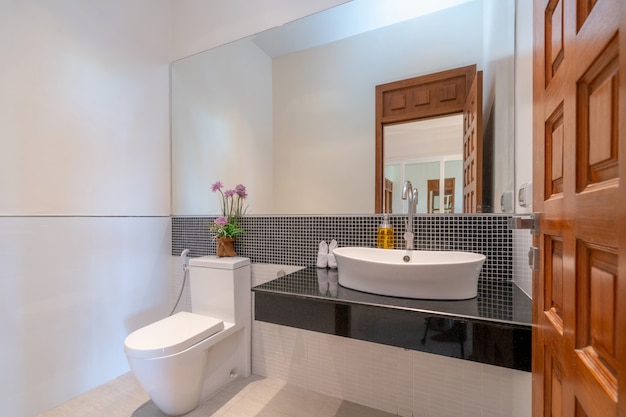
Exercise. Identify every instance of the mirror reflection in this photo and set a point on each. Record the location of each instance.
(297, 127)
(429, 153)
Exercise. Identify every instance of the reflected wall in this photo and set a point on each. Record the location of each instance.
(222, 127)
(322, 120)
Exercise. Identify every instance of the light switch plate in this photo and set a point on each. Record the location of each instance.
(525, 195)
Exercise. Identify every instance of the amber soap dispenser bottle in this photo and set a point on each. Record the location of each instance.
(385, 234)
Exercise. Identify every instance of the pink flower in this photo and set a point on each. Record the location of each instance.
(221, 221)
(232, 208)
(217, 186)
(240, 189)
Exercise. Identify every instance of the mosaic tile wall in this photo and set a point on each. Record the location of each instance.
(294, 240)
(522, 274)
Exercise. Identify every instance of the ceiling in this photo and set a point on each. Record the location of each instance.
(343, 21)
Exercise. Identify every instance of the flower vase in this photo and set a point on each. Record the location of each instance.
(225, 247)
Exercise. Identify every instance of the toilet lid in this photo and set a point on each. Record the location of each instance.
(171, 335)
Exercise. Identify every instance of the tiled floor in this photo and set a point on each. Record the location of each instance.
(251, 397)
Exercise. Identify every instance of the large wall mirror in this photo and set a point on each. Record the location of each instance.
(292, 116)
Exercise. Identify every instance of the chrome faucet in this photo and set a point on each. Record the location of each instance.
(409, 193)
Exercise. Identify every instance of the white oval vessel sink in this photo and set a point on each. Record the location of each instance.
(434, 275)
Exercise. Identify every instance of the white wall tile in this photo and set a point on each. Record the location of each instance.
(399, 381)
(497, 393)
(71, 290)
(324, 360)
(262, 273)
(472, 388)
(522, 274)
(405, 382)
(522, 391)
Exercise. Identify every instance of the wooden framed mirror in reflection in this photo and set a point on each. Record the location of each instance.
(429, 132)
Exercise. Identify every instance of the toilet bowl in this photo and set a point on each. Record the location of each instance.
(184, 358)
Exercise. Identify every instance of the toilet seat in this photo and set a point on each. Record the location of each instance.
(171, 335)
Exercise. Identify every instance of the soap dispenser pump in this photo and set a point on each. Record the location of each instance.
(385, 234)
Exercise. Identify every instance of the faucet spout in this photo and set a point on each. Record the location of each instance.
(409, 193)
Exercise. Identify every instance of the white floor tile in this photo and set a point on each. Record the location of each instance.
(251, 397)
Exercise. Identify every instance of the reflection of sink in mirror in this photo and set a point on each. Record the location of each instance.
(434, 275)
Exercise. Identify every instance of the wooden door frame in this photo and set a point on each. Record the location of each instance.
(434, 95)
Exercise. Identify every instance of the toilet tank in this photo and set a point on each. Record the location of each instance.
(220, 288)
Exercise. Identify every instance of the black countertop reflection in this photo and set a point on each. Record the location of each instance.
(493, 328)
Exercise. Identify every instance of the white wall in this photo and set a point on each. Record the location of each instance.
(328, 80)
(84, 108)
(84, 191)
(498, 85)
(72, 289)
(522, 240)
(198, 25)
(222, 128)
(524, 98)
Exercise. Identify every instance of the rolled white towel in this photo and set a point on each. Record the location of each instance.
(332, 262)
(322, 255)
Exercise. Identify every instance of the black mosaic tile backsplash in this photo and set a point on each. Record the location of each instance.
(294, 240)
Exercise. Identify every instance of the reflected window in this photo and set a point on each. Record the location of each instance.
(429, 154)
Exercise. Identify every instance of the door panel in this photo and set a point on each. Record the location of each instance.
(579, 339)
(554, 283)
(554, 153)
(473, 147)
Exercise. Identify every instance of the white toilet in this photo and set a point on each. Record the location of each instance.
(187, 357)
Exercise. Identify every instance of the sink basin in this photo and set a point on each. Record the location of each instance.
(434, 275)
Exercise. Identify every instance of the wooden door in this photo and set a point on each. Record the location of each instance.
(473, 147)
(579, 293)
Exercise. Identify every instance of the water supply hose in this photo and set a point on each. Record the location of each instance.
(185, 264)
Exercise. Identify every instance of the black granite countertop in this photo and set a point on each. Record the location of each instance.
(492, 328)
(503, 303)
